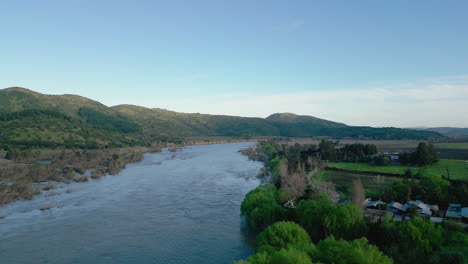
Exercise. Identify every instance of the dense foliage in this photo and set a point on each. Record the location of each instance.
(339, 231)
(51, 129)
(283, 235)
(357, 251)
(425, 154)
(109, 122)
(262, 208)
(322, 218)
(421, 241)
(431, 189)
(355, 152)
(287, 242)
(415, 241)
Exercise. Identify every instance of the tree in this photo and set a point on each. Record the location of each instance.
(261, 207)
(432, 189)
(410, 241)
(327, 150)
(358, 194)
(382, 161)
(283, 256)
(290, 256)
(295, 183)
(324, 187)
(283, 235)
(398, 191)
(357, 251)
(424, 155)
(13, 154)
(321, 218)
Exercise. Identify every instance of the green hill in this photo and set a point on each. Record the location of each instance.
(16, 99)
(87, 121)
(293, 118)
(52, 129)
(450, 131)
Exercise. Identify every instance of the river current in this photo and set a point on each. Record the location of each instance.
(163, 209)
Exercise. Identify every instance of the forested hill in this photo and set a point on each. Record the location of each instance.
(450, 131)
(128, 124)
(293, 118)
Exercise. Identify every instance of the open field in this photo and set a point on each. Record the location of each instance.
(451, 145)
(382, 145)
(457, 151)
(458, 169)
(343, 181)
(394, 169)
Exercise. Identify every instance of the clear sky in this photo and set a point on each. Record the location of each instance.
(380, 63)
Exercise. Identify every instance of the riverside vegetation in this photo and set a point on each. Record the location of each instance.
(36, 126)
(34, 171)
(318, 229)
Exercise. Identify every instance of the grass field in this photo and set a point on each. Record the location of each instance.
(451, 145)
(458, 168)
(344, 180)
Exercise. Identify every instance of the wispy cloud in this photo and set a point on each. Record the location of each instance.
(435, 102)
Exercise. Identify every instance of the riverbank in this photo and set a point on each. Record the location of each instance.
(158, 210)
(22, 179)
(43, 169)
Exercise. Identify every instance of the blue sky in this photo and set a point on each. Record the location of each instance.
(380, 63)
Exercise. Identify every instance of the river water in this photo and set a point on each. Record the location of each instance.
(163, 209)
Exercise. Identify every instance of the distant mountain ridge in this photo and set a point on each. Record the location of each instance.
(293, 118)
(448, 131)
(130, 124)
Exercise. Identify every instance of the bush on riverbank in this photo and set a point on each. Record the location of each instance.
(261, 207)
(287, 242)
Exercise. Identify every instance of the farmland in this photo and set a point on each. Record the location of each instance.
(458, 169)
(457, 151)
(344, 180)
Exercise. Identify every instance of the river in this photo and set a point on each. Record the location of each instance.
(163, 209)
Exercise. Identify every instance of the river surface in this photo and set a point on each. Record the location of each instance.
(163, 209)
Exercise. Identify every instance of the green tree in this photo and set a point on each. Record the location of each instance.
(321, 218)
(261, 207)
(398, 191)
(432, 189)
(290, 256)
(424, 154)
(283, 235)
(283, 256)
(357, 251)
(327, 150)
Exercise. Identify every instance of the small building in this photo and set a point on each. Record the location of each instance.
(374, 204)
(375, 215)
(464, 212)
(436, 219)
(424, 210)
(397, 207)
(454, 211)
(395, 157)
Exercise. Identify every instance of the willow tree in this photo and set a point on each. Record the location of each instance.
(293, 183)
